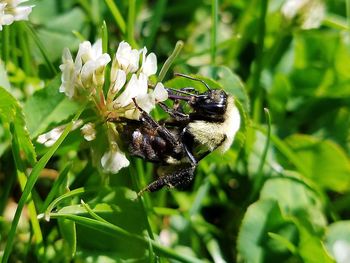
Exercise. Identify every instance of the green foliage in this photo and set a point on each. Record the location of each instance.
(279, 194)
(47, 107)
(11, 113)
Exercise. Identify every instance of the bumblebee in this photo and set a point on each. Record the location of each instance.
(179, 143)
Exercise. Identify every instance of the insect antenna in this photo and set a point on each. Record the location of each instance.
(192, 78)
(180, 91)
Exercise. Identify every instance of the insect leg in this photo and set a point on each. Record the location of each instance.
(161, 130)
(179, 178)
(177, 115)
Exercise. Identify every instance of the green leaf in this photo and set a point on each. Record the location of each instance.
(69, 233)
(254, 243)
(56, 29)
(324, 161)
(295, 198)
(11, 112)
(282, 240)
(230, 82)
(311, 247)
(47, 107)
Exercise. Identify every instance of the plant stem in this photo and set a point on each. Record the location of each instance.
(24, 45)
(256, 85)
(130, 34)
(5, 44)
(116, 15)
(158, 13)
(170, 60)
(348, 14)
(30, 30)
(144, 205)
(259, 179)
(104, 34)
(214, 19)
(111, 229)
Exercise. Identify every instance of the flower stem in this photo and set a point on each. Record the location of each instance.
(214, 19)
(116, 15)
(131, 23)
(5, 44)
(256, 85)
(259, 178)
(170, 60)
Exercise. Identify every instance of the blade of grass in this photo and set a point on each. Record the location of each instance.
(146, 206)
(259, 178)
(85, 4)
(14, 51)
(285, 151)
(92, 213)
(54, 189)
(5, 40)
(104, 34)
(31, 182)
(179, 45)
(22, 178)
(30, 31)
(337, 22)
(256, 87)
(214, 25)
(72, 193)
(157, 16)
(25, 50)
(113, 230)
(130, 33)
(116, 15)
(95, 11)
(348, 13)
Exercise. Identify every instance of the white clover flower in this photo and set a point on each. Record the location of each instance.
(114, 160)
(88, 131)
(5, 18)
(49, 138)
(149, 63)
(10, 11)
(70, 73)
(87, 71)
(148, 101)
(127, 58)
(137, 86)
(94, 63)
(341, 251)
(309, 13)
(119, 80)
